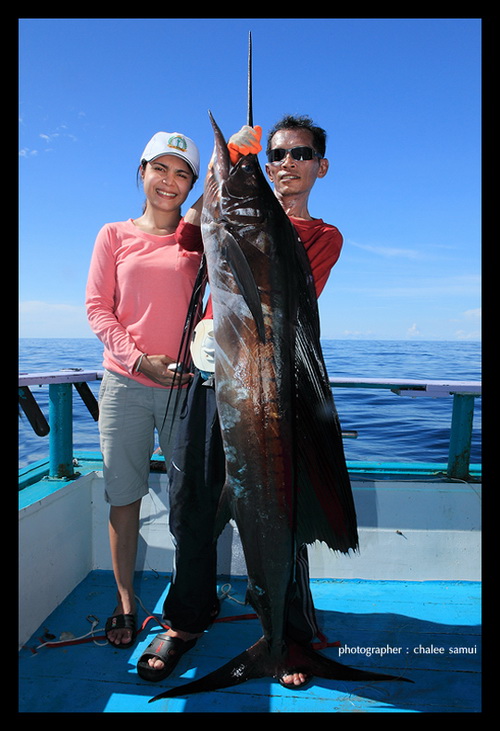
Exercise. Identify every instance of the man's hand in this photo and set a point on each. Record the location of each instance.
(245, 142)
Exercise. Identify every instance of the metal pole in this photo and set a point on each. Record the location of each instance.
(461, 436)
(61, 431)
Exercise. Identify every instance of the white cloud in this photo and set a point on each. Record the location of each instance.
(46, 320)
(473, 314)
(48, 138)
(389, 251)
(26, 152)
(442, 287)
(471, 325)
(466, 335)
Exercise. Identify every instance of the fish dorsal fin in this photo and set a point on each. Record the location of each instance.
(324, 504)
(325, 510)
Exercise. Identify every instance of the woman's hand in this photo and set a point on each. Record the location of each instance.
(156, 368)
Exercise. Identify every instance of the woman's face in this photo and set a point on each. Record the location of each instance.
(167, 181)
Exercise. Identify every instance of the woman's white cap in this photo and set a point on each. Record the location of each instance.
(173, 143)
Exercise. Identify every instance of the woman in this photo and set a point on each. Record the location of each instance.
(140, 282)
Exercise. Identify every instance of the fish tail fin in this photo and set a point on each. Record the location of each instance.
(257, 662)
(253, 663)
(303, 658)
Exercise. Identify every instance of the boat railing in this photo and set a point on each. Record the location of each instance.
(59, 426)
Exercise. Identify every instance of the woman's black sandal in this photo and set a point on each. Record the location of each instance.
(122, 621)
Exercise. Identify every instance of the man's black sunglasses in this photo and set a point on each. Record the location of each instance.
(298, 153)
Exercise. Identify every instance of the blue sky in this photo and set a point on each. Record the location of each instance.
(399, 98)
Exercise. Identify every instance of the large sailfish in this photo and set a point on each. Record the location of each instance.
(286, 478)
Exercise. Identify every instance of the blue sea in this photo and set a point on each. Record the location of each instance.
(390, 428)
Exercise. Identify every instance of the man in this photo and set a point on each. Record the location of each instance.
(295, 152)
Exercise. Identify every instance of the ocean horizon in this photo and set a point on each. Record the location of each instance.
(390, 428)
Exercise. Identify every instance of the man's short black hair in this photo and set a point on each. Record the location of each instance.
(291, 121)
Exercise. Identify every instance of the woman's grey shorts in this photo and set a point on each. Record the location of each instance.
(129, 413)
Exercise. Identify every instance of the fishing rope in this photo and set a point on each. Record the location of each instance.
(67, 639)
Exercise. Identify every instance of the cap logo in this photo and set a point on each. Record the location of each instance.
(178, 143)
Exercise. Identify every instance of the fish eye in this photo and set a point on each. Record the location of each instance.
(247, 166)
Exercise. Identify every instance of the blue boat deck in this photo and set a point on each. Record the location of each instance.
(429, 632)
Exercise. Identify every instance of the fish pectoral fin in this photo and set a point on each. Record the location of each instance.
(245, 281)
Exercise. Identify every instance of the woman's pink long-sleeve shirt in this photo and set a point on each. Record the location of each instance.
(138, 291)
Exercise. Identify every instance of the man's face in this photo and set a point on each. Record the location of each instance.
(294, 177)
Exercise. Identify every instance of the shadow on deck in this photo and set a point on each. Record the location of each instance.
(427, 631)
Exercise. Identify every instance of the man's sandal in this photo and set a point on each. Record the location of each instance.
(292, 685)
(167, 649)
